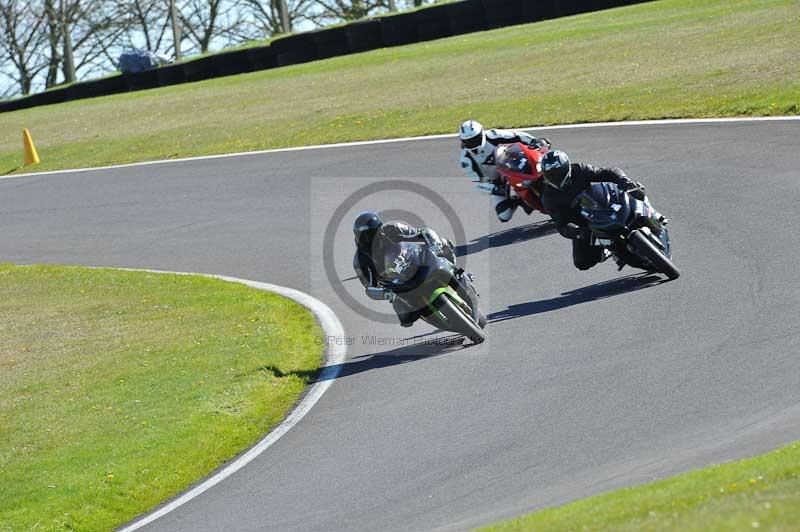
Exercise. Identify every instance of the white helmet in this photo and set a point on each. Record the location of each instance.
(471, 135)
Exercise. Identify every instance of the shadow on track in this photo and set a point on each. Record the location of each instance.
(593, 292)
(506, 237)
(415, 349)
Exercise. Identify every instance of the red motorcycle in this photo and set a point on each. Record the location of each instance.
(518, 165)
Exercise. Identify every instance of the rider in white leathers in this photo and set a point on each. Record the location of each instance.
(478, 152)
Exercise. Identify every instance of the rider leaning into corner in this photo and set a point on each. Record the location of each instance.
(374, 239)
(566, 182)
(478, 153)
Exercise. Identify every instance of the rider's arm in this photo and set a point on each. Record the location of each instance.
(560, 215)
(497, 137)
(475, 174)
(566, 229)
(470, 167)
(399, 232)
(606, 175)
(364, 268)
(560, 221)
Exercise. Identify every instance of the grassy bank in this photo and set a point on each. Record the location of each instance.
(671, 58)
(757, 493)
(120, 389)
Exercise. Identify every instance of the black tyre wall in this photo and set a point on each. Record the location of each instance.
(262, 58)
(331, 43)
(198, 70)
(295, 49)
(363, 36)
(501, 13)
(231, 63)
(399, 29)
(465, 17)
(171, 75)
(432, 23)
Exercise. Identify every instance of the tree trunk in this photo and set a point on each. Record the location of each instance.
(53, 37)
(283, 10)
(69, 61)
(176, 29)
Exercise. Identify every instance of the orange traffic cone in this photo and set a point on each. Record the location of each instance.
(31, 155)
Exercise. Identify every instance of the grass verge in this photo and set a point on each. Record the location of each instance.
(119, 389)
(670, 58)
(756, 493)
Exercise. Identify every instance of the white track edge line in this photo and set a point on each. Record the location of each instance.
(334, 357)
(412, 139)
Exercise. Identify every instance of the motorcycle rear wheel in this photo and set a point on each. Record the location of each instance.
(458, 321)
(649, 251)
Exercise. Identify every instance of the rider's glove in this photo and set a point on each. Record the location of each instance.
(499, 189)
(485, 187)
(572, 231)
(540, 143)
(636, 190)
(433, 240)
(493, 188)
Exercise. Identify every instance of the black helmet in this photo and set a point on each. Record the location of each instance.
(556, 170)
(365, 227)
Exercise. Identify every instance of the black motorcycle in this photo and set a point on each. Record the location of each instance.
(626, 226)
(431, 284)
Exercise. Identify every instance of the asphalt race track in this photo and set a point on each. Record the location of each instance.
(588, 381)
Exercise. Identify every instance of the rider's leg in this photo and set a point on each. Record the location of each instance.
(405, 313)
(585, 255)
(504, 207)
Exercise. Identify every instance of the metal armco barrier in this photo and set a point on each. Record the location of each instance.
(434, 22)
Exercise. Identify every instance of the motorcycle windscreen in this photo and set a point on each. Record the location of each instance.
(604, 208)
(513, 158)
(401, 262)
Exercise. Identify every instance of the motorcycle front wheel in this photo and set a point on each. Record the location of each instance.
(653, 255)
(458, 321)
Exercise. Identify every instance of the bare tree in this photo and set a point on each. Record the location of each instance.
(53, 20)
(96, 28)
(267, 16)
(22, 40)
(147, 23)
(327, 11)
(207, 21)
(335, 10)
(176, 30)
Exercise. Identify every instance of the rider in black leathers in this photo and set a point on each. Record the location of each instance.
(373, 241)
(566, 182)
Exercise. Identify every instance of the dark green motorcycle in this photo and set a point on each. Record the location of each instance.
(443, 295)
